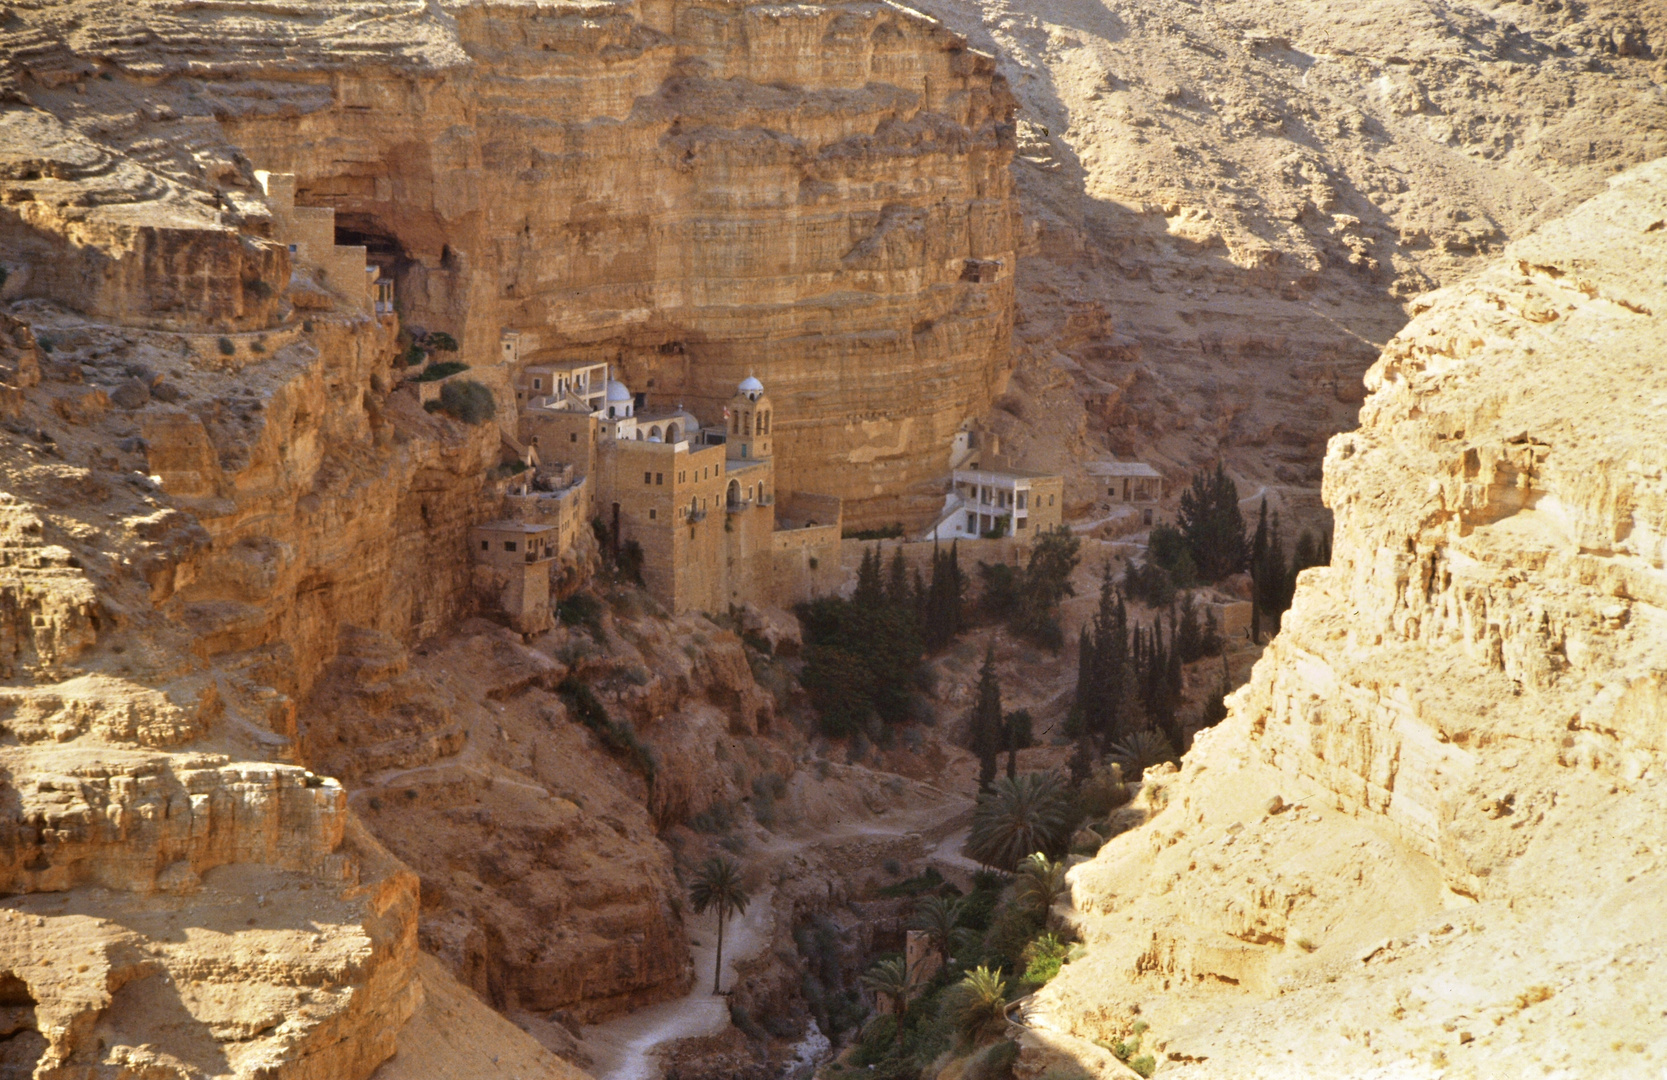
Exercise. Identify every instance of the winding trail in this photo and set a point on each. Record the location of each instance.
(629, 1047)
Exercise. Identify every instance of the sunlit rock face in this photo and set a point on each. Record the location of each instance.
(1435, 814)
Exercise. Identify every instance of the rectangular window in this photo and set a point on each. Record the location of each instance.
(486, 545)
(651, 514)
(1050, 500)
(573, 436)
(648, 478)
(1020, 523)
(1022, 498)
(659, 478)
(509, 545)
(538, 384)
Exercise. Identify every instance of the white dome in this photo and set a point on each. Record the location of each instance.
(617, 391)
(750, 385)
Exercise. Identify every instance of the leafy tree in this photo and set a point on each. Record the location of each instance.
(862, 657)
(987, 732)
(999, 598)
(1040, 883)
(1213, 526)
(1047, 581)
(981, 1008)
(466, 400)
(717, 887)
(1043, 958)
(1017, 817)
(941, 917)
(897, 980)
(1140, 751)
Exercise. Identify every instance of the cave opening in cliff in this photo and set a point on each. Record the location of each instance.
(21, 1043)
(383, 249)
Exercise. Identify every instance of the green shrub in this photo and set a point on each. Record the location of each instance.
(412, 356)
(887, 532)
(435, 372)
(1043, 958)
(620, 739)
(226, 347)
(581, 609)
(468, 401)
(993, 1062)
(440, 341)
(46, 344)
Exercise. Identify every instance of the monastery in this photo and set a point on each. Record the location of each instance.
(693, 505)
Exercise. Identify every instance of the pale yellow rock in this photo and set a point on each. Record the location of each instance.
(1463, 717)
(453, 1035)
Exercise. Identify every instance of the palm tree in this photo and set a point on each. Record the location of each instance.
(981, 1012)
(1140, 751)
(940, 917)
(1019, 816)
(894, 978)
(1041, 883)
(718, 887)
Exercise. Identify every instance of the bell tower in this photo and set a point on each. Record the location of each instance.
(750, 416)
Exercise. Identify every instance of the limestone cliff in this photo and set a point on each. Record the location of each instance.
(816, 195)
(1429, 838)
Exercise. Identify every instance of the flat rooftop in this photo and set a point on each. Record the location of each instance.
(1123, 468)
(1015, 474)
(515, 526)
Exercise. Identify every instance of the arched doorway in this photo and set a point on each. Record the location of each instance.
(733, 496)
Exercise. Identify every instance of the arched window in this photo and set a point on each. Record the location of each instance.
(654, 433)
(672, 433)
(733, 495)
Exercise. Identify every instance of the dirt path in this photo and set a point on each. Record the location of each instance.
(629, 1047)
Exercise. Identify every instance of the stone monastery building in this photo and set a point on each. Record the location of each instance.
(699, 500)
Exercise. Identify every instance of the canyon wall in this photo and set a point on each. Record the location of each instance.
(237, 549)
(1429, 838)
(698, 192)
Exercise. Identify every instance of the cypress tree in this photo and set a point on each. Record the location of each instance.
(986, 728)
(1258, 570)
(956, 585)
(870, 591)
(1085, 673)
(1210, 520)
(897, 580)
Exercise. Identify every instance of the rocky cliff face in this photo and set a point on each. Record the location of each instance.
(817, 195)
(1245, 196)
(1428, 840)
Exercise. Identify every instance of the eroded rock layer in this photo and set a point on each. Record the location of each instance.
(1429, 839)
(815, 195)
